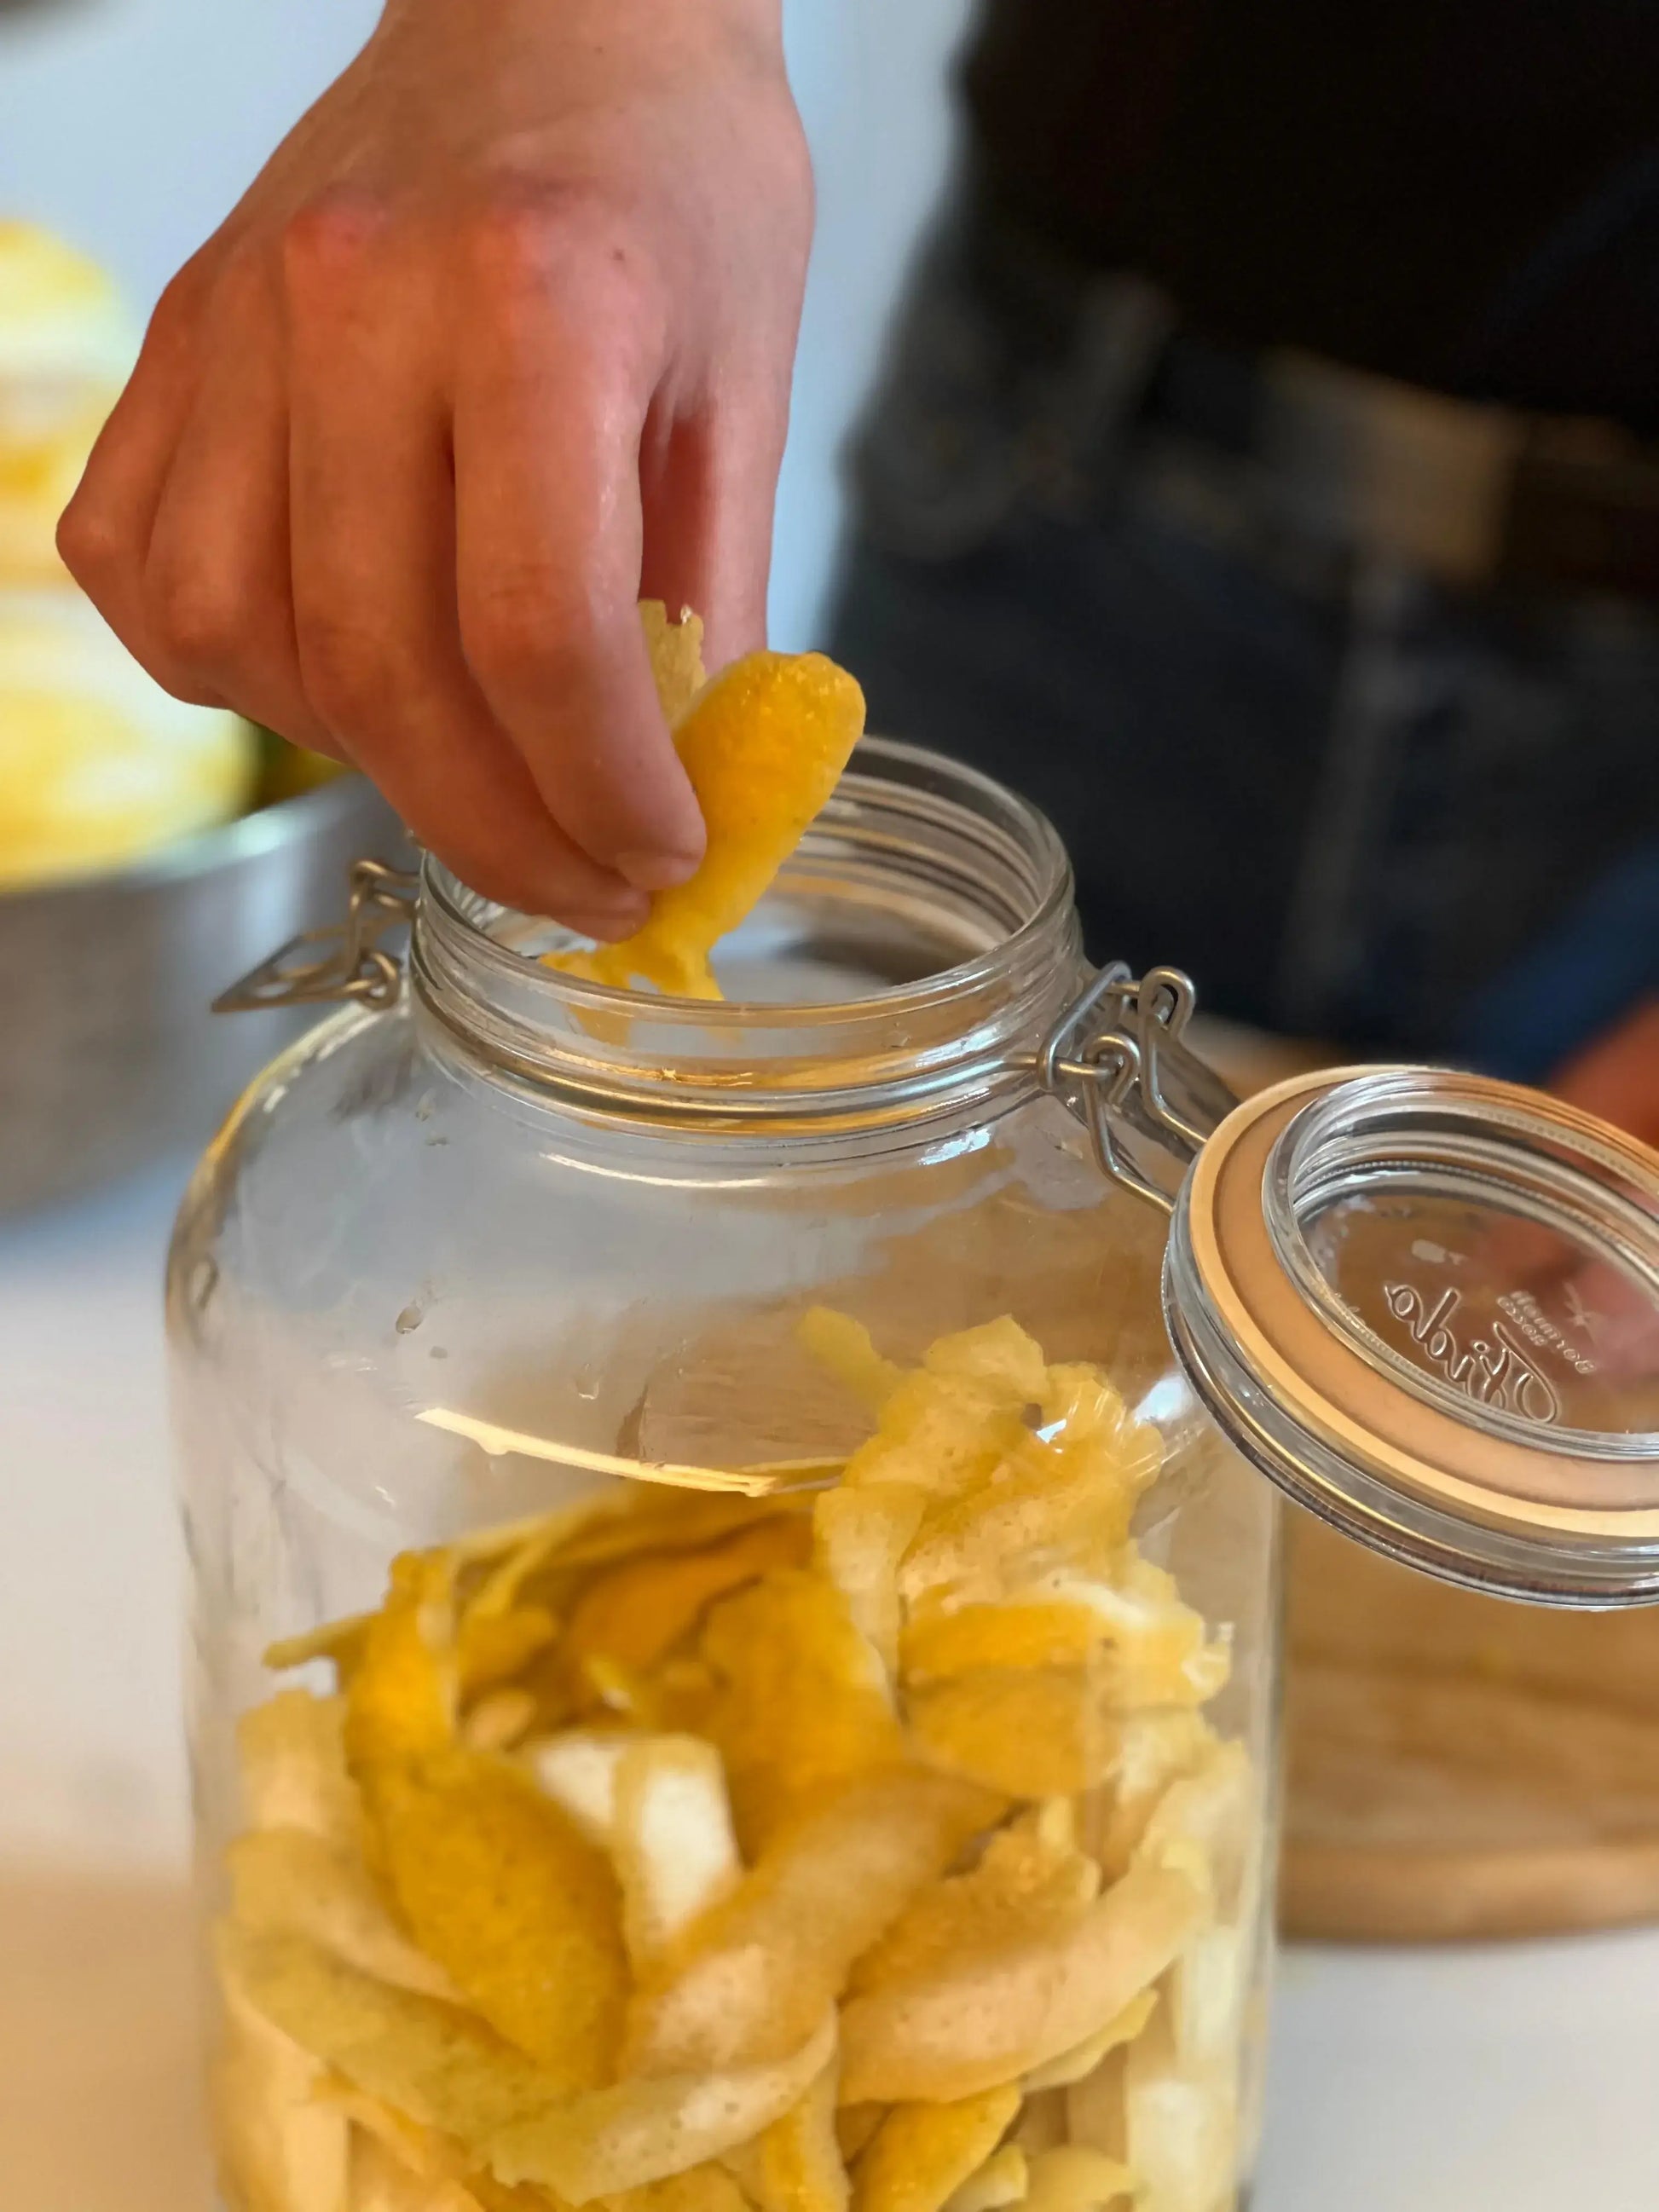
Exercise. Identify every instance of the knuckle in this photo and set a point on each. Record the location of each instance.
(326, 242)
(178, 310)
(93, 545)
(510, 234)
(538, 239)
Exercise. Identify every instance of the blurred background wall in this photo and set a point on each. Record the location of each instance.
(132, 125)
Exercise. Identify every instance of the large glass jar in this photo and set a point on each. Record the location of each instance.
(735, 1670)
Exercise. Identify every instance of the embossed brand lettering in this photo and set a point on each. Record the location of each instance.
(1491, 1370)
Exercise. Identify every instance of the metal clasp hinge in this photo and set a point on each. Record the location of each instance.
(1118, 1060)
(355, 966)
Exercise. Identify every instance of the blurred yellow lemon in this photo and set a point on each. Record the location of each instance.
(66, 343)
(98, 765)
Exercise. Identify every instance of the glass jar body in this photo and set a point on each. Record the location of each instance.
(977, 1768)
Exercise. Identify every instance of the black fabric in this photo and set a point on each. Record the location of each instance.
(1464, 193)
(1177, 713)
(1354, 803)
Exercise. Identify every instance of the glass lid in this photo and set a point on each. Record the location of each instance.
(1427, 1306)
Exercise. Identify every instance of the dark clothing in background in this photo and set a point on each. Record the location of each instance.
(1458, 193)
(1495, 897)
(1355, 801)
(1408, 807)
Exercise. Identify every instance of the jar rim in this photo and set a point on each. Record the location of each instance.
(910, 837)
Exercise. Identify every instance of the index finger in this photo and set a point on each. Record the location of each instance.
(554, 385)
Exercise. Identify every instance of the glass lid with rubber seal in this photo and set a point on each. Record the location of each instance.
(1427, 1306)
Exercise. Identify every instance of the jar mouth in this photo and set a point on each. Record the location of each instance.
(922, 932)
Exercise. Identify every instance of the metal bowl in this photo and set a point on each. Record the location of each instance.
(109, 1055)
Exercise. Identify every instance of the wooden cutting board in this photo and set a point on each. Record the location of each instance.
(1460, 1767)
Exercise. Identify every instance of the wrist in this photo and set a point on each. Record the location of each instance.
(668, 24)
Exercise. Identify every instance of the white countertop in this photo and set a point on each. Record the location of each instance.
(1519, 2079)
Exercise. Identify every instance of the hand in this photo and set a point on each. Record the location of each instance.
(1617, 1077)
(499, 342)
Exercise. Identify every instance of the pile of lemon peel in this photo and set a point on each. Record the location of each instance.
(683, 1853)
(764, 745)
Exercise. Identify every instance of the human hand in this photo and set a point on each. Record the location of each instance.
(1598, 1306)
(1616, 1078)
(499, 342)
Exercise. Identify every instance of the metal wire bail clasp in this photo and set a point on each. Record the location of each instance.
(1118, 1060)
(353, 967)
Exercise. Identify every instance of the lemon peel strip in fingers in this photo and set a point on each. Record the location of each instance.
(764, 745)
(676, 651)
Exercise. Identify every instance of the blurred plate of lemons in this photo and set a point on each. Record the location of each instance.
(99, 766)
(66, 344)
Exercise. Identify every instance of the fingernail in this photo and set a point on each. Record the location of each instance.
(658, 871)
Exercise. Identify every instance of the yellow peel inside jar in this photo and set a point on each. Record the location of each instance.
(868, 1853)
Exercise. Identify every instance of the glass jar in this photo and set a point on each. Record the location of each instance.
(733, 1661)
